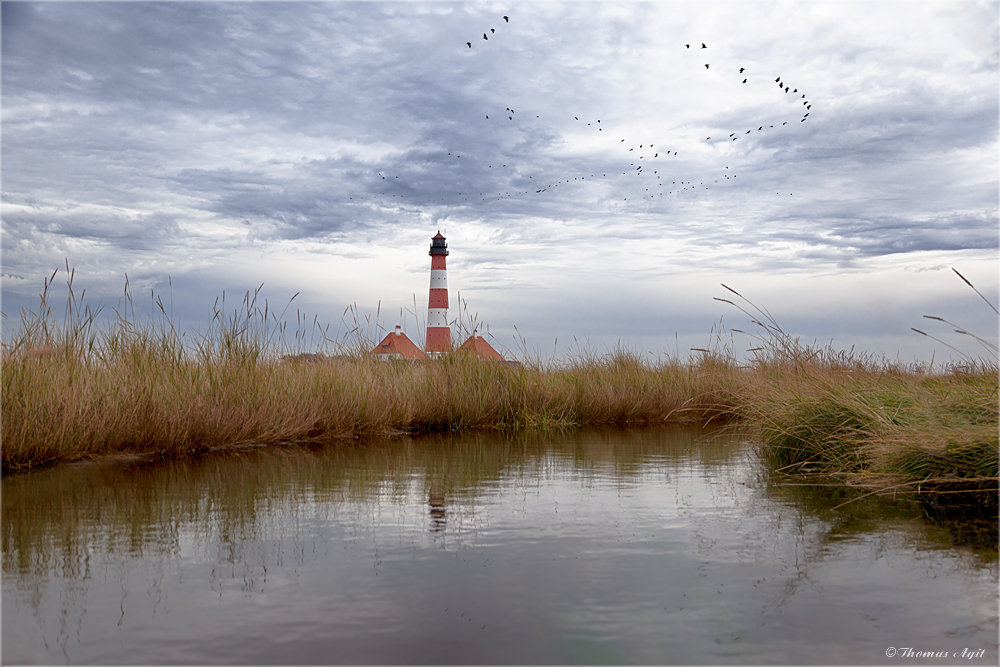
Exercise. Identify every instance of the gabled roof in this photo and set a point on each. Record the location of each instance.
(398, 343)
(478, 345)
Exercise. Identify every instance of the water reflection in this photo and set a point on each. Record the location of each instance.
(435, 502)
(606, 546)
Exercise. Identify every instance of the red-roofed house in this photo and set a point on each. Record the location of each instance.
(477, 345)
(397, 346)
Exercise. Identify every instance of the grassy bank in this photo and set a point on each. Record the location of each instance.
(870, 423)
(74, 390)
(60, 404)
(879, 428)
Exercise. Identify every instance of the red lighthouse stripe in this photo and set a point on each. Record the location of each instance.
(438, 299)
(438, 339)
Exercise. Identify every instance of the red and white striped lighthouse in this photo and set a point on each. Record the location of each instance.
(438, 331)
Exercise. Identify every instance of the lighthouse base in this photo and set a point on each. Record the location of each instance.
(438, 341)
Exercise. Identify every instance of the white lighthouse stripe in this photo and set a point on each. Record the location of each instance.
(437, 317)
(439, 279)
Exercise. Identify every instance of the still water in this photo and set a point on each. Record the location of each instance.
(655, 545)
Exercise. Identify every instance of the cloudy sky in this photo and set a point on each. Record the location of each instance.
(598, 172)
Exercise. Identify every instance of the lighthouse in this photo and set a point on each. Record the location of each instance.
(438, 331)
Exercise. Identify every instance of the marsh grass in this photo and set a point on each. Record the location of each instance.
(83, 387)
(872, 423)
(80, 388)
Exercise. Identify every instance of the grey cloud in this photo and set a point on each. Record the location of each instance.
(273, 123)
(147, 232)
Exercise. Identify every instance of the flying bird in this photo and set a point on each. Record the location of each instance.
(706, 66)
(741, 69)
(688, 45)
(470, 44)
(485, 37)
(506, 19)
(492, 31)
(703, 45)
(744, 80)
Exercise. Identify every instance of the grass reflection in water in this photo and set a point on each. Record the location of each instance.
(604, 545)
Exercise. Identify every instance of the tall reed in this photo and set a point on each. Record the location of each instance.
(84, 387)
(76, 389)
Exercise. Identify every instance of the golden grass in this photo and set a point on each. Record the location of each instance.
(66, 406)
(76, 390)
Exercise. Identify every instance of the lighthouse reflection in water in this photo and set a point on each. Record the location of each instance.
(435, 502)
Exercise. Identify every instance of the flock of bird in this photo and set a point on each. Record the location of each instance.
(661, 185)
(492, 32)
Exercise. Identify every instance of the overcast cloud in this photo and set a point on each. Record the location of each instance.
(593, 177)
